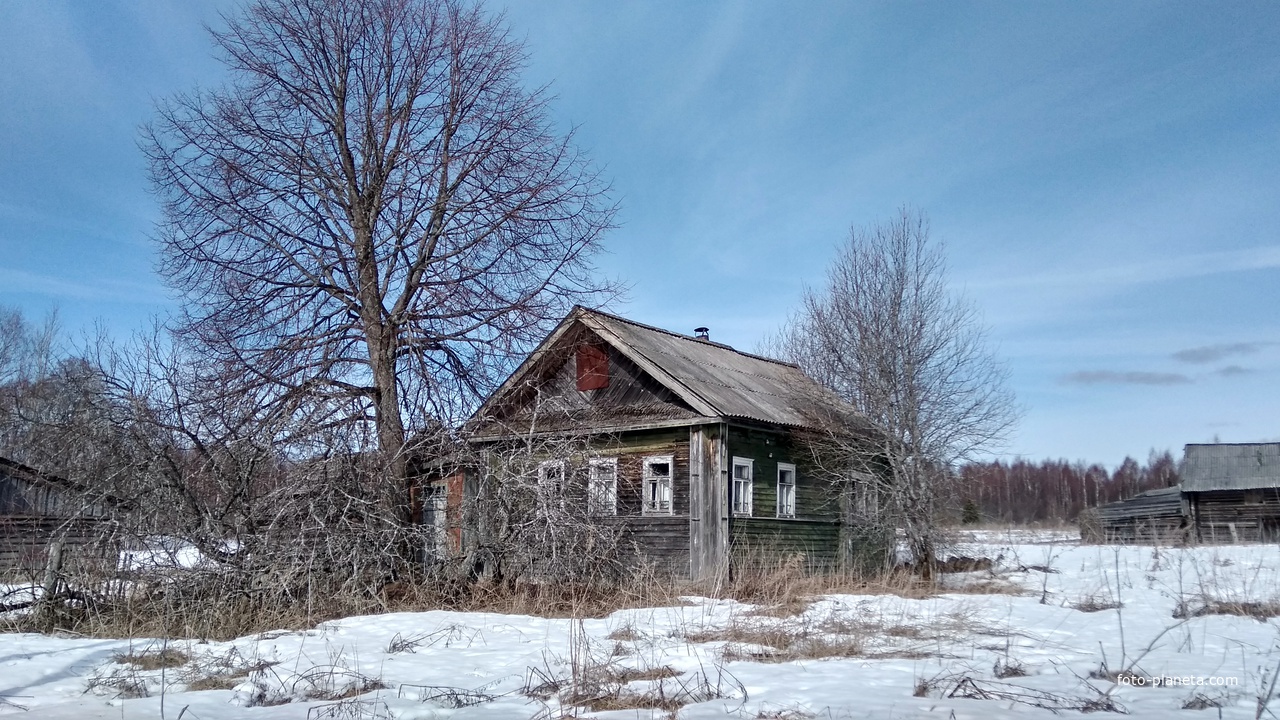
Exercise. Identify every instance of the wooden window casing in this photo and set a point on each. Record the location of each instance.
(602, 487)
(657, 478)
(743, 469)
(551, 484)
(786, 490)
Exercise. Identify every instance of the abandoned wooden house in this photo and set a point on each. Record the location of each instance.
(1231, 491)
(695, 448)
(40, 512)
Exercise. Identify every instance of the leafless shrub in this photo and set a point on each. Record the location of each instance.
(1096, 603)
(1200, 701)
(353, 709)
(1006, 667)
(965, 686)
(447, 636)
(447, 697)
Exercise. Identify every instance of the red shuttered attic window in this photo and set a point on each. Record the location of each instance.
(593, 367)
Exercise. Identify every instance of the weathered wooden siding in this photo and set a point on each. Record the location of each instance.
(631, 396)
(25, 543)
(812, 538)
(813, 545)
(631, 449)
(815, 499)
(662, 542)
(1154, 517)
(1225, 516)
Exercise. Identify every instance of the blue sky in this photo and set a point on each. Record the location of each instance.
(1106, 177)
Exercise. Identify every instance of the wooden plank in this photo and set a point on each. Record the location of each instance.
(708, 530)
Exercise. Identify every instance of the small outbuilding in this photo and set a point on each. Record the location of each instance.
(1231, 491)
(40, 512)
(1151, 517)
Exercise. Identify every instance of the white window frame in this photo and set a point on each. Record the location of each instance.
(602, 496)
(664, 486)
(741, 500)
(552, 496)
(786, 491)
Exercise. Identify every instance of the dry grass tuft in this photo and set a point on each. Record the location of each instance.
(1006, 667)
(627, 675)
(780, 643)
(626, 633)
(149, 659)
(1094, 603)
(1260, 611)
(217, 681)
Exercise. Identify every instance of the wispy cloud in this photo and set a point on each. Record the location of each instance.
(1172, 267)
(1233, 371)
(1132, 377)
(14, 280)
(1214, 353)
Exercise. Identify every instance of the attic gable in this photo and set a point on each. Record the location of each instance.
(578, 379)
(699, 378)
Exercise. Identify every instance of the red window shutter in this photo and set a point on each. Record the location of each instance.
(593, 367)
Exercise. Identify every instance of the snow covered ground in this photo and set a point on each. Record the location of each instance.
(1097, 611)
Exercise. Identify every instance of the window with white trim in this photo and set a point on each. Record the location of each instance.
(742, 472)
(786, 490)
(657, 472)
(602, 486)
(551, 483)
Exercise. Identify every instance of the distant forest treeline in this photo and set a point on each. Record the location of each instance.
(1057, 490)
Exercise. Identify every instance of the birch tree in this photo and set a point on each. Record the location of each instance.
(888, 334)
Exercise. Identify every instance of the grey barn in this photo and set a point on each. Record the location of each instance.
(1231, 491)
(1228, 492)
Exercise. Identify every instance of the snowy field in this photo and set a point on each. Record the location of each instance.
(1137, 630)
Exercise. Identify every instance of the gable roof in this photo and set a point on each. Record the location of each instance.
(715, 380)
(1230, 466)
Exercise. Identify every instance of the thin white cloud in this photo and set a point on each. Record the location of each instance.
(1149, 270)
(1113, 377)
(22, 281)
(1214, 353)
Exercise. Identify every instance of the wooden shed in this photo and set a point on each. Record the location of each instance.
(695, 446)
(1232, 491)
(1153, 517)
(39, 511)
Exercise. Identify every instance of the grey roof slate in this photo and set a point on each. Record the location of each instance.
(715, 380)
(1230, 466)
(732, 383)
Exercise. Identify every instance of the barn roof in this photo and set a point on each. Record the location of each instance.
(714, 379)
(1230, 466)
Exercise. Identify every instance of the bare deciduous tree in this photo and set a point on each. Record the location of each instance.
(374, 216)
(890, 337)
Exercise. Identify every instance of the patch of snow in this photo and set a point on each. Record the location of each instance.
(936, 657)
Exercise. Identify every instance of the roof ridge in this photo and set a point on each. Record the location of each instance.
(1218, 444)
(690, 338)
